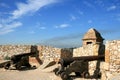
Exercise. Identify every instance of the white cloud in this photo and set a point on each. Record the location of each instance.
(30, 6)
(13, 25)
(9, 24)
(111, 8)
(5, 31)
(62, 26)
(8, 27)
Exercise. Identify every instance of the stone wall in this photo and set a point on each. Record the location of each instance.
(49, 53)
(90, 50)
(44, 52)
(9, 50)
(83, 51)
(113, 55)
(112, 60)
(109, 68)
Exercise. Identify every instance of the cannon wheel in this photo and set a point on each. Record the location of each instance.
(85, 74)
(77, 74)
(64, 76)
(55, 71)
(18, 66)
(7, 65)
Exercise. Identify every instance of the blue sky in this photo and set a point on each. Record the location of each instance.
(59, 23)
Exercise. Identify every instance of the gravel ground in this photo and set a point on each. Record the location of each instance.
(35, 74)
(27, 75)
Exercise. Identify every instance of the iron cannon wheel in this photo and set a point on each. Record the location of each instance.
(55, 71)
(86, 74)
(64, 76)
(7, 65)
(77, 74)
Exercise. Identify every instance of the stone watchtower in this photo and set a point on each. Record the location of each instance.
(92, 37)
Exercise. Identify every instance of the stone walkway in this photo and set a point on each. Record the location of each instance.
(35, 74)
(27, 75)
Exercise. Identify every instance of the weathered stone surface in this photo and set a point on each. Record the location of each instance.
(84, 51)
(104, 65)
(9, 50)
(107, 56)
(47, 53)
(44, 52)
(114, 59)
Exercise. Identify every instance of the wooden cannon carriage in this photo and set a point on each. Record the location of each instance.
(19, 60)
(79, 65)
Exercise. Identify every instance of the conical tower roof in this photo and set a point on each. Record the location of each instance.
(92, 34)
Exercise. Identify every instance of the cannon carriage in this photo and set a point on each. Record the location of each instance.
(78, 65)
(19, 60)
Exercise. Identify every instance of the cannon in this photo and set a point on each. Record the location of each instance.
(79, 65)
(19, 60)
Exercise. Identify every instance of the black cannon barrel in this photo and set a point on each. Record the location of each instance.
(67, 61)
(17, 57)
(24, 54)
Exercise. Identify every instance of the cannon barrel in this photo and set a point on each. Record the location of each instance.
(20, 60)
(79, 65)
(67, 61)
(17, 57)
(24, 54)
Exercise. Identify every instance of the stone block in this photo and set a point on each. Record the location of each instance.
(104, 66)
(117, 61)
(108, 75)
(96, 49)
(107, 56)
(103, 77)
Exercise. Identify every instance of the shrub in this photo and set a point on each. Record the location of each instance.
(6, 58)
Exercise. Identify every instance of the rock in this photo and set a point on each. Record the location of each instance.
(104, 66)
(47, 63)
(50, 69)
(115, 77)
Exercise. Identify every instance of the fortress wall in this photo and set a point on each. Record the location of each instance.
(113, 55)
(90, 50)
(110, 67)
(44, 52)
(9, 50)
